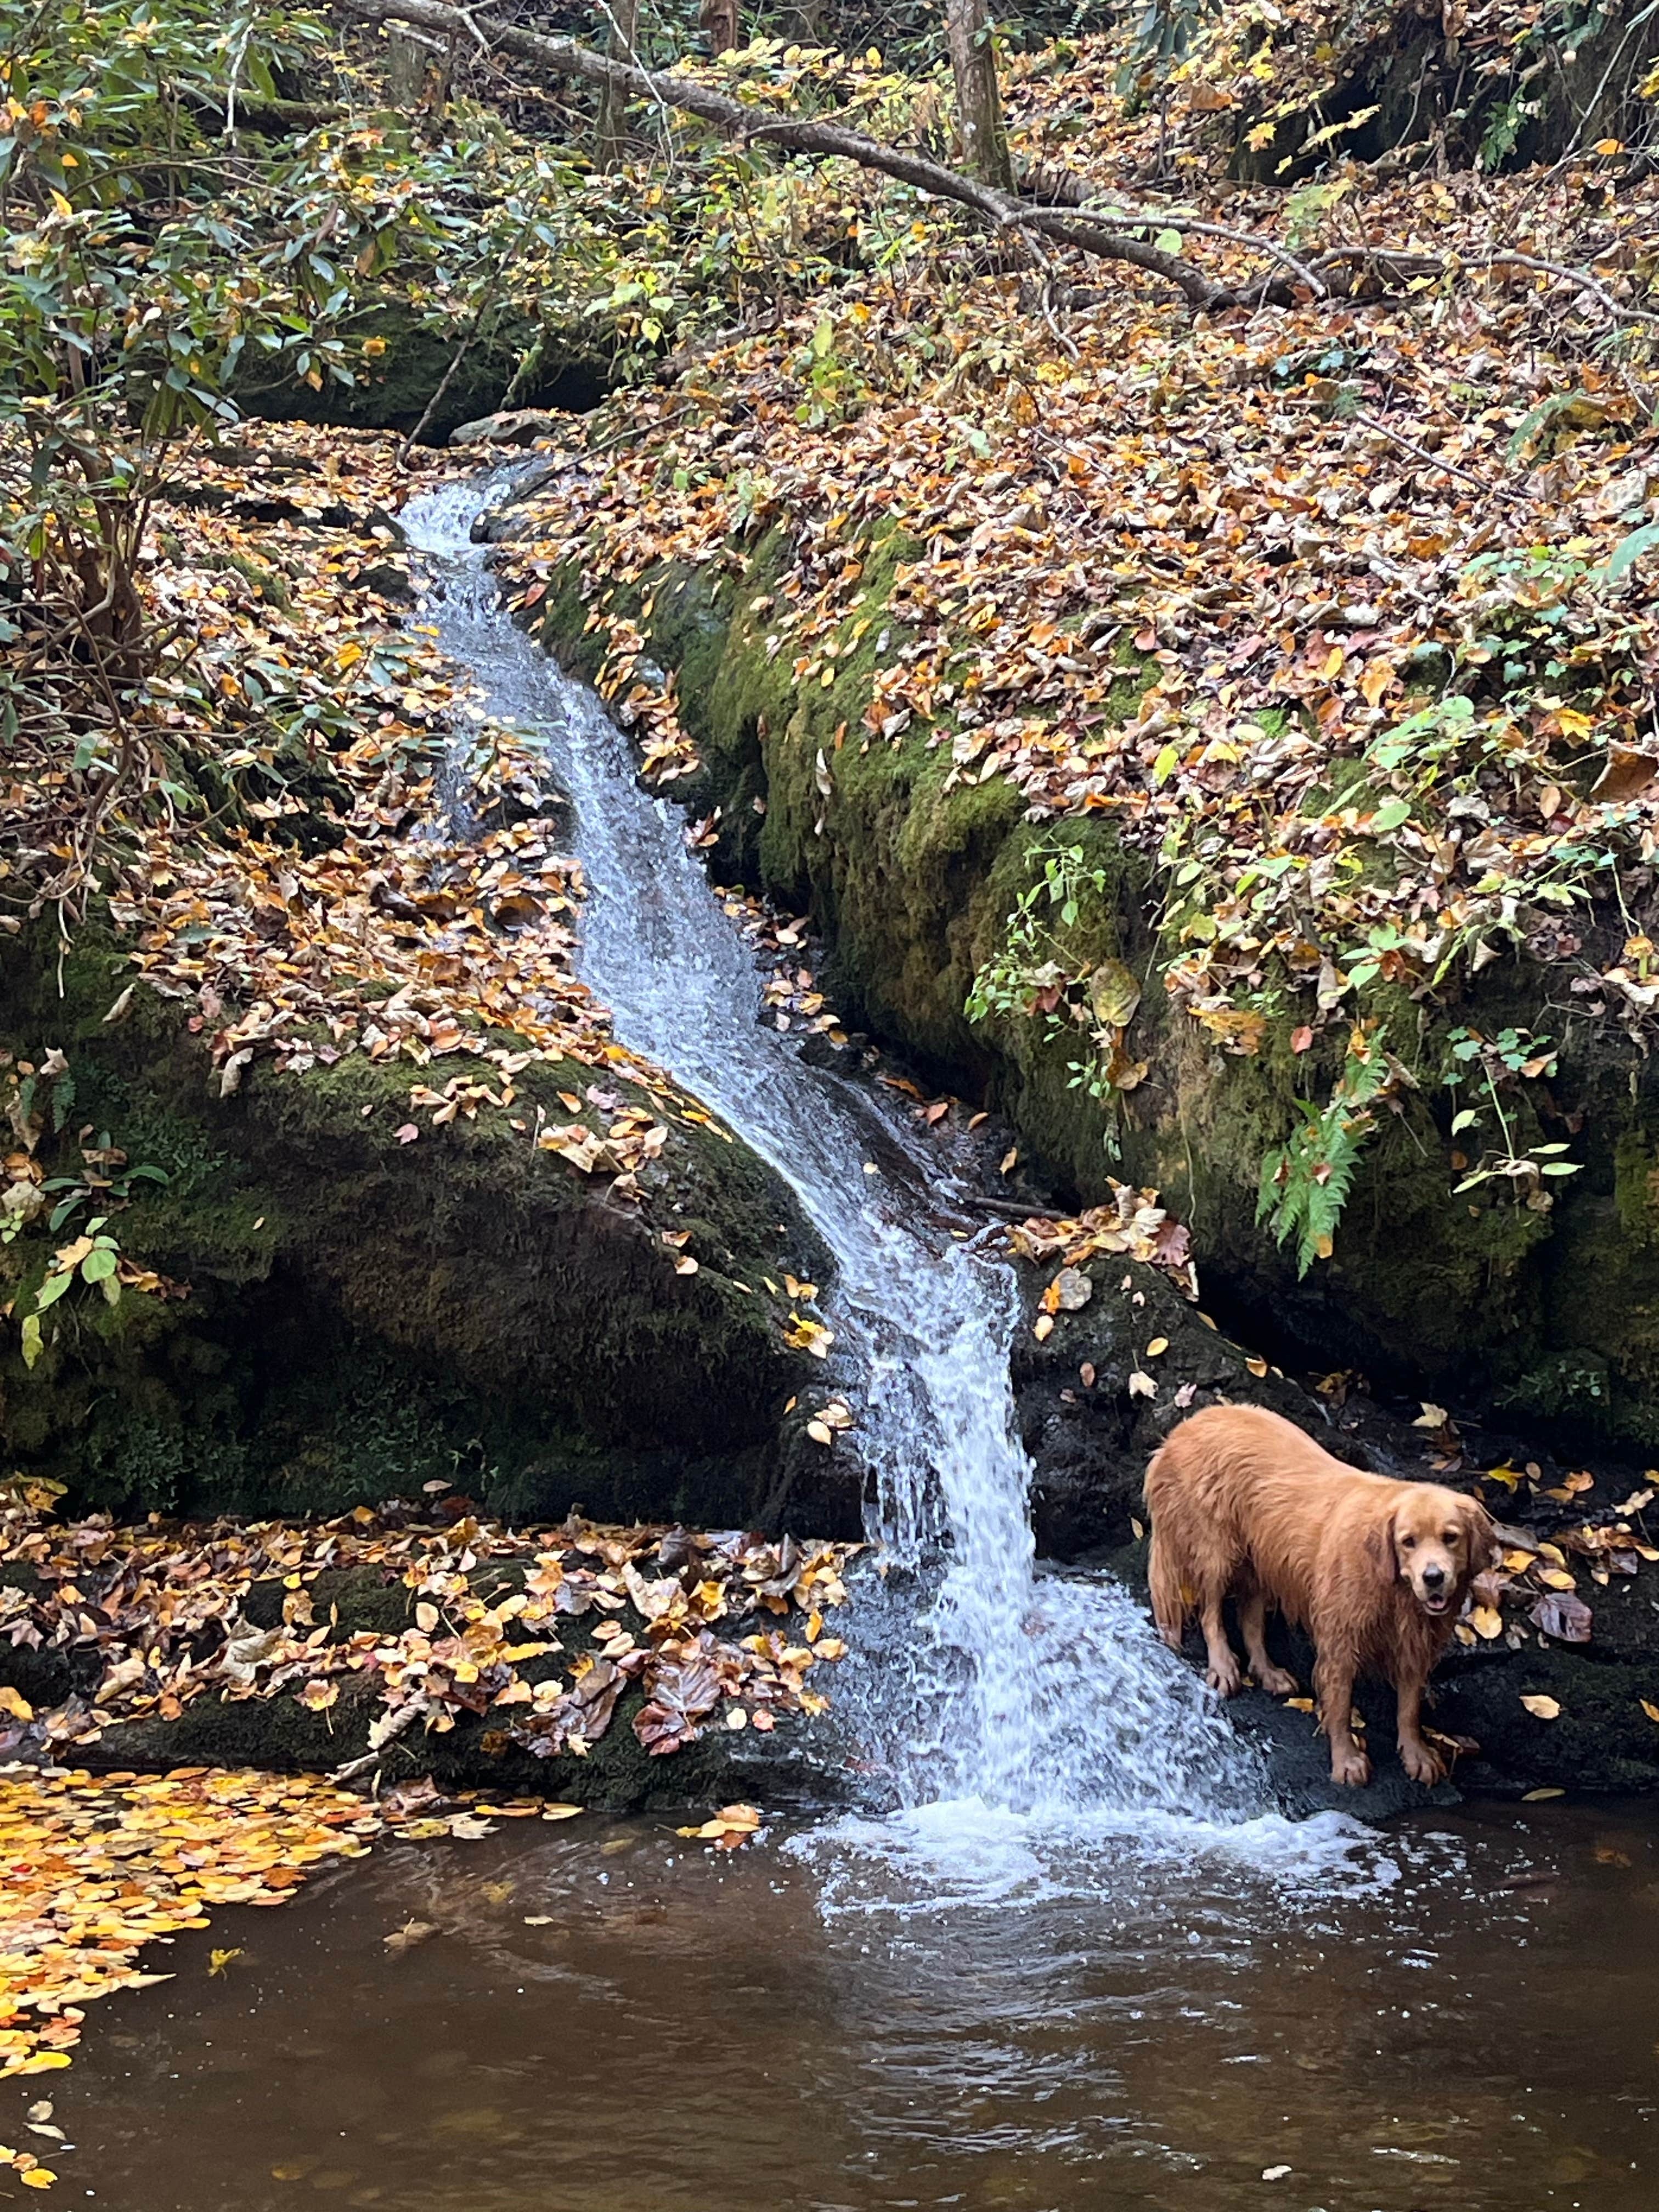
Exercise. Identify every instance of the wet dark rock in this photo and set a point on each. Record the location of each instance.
(512, 426)
(803, 1763)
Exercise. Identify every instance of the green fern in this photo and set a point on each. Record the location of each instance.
(1305, 1180)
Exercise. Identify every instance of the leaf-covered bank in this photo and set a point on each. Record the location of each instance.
(1223, 744)
(324, 1176)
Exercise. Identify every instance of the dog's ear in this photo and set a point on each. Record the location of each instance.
(1380, 1555)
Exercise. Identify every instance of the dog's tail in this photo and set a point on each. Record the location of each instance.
(1171, 1600)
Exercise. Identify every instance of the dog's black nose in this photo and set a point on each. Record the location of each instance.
(1433, 1577)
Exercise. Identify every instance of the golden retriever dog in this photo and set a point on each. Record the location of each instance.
(1244, 1504)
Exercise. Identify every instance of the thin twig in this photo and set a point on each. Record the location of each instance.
(1451, 468)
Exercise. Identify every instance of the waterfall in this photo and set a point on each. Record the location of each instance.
(1030, 1692)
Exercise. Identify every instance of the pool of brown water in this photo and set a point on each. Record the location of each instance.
(944, 2010)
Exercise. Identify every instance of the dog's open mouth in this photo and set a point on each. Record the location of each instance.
(1435, 1602)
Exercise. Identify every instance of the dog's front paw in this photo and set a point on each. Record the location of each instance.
(1225, 1678)
(1422, 1764)
(1277, 1683)
(1350, 1768)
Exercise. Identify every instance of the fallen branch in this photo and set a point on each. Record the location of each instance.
(828, 140)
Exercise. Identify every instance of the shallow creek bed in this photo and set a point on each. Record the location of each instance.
(948, 2008)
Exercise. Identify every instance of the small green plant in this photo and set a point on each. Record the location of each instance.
(1305, 1180)
(1511, 1056)
(1032, 972)
(94, 1257)
(73, 1192)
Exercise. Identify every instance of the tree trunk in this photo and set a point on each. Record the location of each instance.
(613, 99)
(719, 19)
(968, 24)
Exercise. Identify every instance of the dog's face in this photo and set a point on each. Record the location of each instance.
(1441, 1540)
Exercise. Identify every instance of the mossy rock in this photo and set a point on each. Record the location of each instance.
(540, 364)
(366, 1316)
(803, 1763)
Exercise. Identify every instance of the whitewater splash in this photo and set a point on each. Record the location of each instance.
(1030, 1693)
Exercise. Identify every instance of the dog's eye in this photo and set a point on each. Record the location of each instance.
(1408, 1543)
(1454, 1535)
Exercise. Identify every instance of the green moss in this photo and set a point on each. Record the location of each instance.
(365, 1316)
(911, 876)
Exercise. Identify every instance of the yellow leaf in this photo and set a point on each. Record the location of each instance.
(1650, 1710)
(1534, 1796)
(38, 2177)
(1518, 1561)
(1256, 1366)
(13, 1702)
(1541, 1708)
(560, 1811)
(1556, 1578)
(1158, 1344)
(1487, 1621)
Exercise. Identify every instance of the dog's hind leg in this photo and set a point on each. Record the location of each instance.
(1252, 1624)
(1171, 1599)
(1223, 1672)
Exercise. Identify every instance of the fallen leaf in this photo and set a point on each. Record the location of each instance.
(411, 1933)
(1543, 1708)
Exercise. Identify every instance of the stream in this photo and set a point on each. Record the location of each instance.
(1051, 1698)
(1070, 1961)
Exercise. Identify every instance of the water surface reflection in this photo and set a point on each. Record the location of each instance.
(942, 2013)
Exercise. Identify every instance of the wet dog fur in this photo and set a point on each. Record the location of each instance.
(1245, 1505)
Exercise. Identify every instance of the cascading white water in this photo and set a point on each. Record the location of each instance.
(1030, 1693)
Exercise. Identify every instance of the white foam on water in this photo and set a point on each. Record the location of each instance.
(964, 1856)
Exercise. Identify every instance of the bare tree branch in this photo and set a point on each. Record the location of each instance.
(827, 139)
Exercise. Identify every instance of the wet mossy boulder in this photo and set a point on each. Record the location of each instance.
(805, 1762)
(348, 1315)
(406, 375)
(911, 870)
